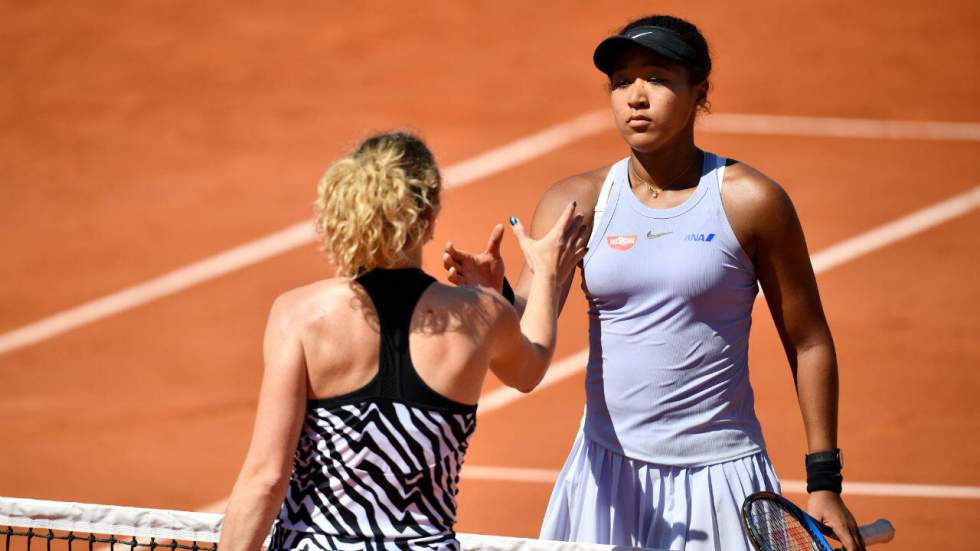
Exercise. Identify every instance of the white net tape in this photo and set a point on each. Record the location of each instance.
(202, 527)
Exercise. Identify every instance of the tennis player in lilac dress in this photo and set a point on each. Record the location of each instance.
(681, 240)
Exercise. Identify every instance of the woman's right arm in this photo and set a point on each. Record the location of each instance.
(523, 349)
(579, 190)
(262, 482)
(486, 269)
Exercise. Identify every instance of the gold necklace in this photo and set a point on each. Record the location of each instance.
(657, 191)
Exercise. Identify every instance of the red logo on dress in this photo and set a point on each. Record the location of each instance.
(621, 242)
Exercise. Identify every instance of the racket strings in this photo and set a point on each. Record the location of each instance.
(778, 530)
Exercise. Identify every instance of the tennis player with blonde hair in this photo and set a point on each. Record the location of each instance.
(372, 377)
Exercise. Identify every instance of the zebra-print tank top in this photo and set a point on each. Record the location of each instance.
(378, 468)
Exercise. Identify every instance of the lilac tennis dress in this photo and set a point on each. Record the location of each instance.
(670, 444)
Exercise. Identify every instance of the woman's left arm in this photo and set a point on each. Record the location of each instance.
(262, 482)
(786, 276)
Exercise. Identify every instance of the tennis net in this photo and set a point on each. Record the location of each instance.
(27, 524)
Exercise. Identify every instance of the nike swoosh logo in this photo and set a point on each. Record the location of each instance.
(651, 235)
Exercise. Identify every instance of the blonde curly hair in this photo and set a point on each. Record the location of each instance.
(375, 206)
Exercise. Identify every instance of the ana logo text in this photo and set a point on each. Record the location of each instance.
(621, 242)
(699, 237)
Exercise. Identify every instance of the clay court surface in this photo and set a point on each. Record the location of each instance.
(138, 138)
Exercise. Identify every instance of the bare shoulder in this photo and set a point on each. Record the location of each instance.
(583, 187)
(466, 298)
(318, 301)
(753, 199)
(458, 307)
(745, 187)
(756, 205)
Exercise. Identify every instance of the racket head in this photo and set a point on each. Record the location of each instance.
(773, 523)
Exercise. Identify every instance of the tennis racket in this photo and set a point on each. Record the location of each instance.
(773, 523)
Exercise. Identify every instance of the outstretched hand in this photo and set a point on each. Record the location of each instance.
(485, 269)
(557, 251)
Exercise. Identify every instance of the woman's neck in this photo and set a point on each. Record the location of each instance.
(413, 259)
(667, 168)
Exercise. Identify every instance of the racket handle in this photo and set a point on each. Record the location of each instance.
(879, 531)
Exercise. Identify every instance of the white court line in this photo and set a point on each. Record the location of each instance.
(830, 127)
(824, 260)
(493, 400)
(559, 371)
(896, 230)
(158, 287)
(287, 239)
(828, 258)
(461, 174)
(548, 476)
(525, 149)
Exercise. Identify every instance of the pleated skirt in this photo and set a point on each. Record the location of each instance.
(604, 497)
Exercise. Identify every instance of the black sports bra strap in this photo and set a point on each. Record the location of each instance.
(395, 294)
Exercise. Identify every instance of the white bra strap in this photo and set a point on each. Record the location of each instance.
(600, 204)
(721, 170)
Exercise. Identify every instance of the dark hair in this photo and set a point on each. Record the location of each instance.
(689, 33)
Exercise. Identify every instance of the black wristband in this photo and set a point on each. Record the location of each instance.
(832, 457)
(508, 291)
(829, 481)
(823, 472)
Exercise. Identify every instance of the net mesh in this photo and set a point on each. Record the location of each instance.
(773, 528)
(27, 524)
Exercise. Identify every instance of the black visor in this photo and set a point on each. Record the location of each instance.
(659, 40)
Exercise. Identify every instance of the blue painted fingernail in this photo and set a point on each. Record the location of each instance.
(512, 220)
(574, 204)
